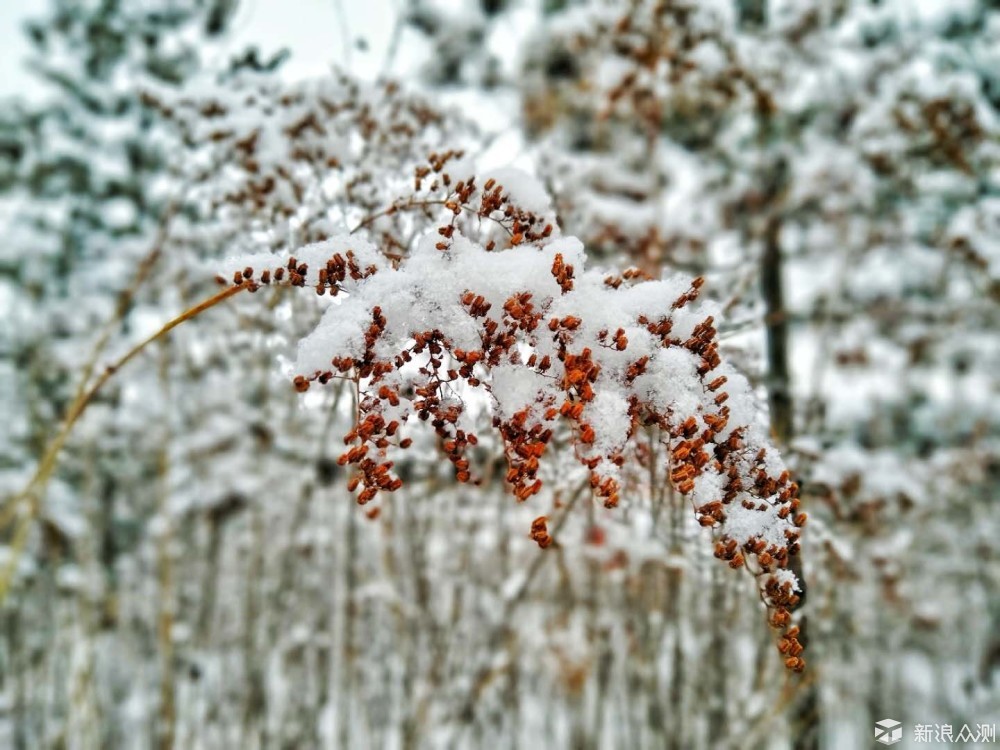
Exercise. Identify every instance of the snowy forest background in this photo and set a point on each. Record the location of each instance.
(183, 563)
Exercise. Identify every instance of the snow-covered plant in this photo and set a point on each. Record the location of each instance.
(564, 353)
(453, 289)
(273, 163)
(629, 100)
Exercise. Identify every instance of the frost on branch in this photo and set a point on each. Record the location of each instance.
(562, 350)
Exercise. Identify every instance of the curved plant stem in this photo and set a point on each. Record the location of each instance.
(35, 488)
(142, 273)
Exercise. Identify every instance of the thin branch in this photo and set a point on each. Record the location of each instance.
(35, 488)
(412, 204)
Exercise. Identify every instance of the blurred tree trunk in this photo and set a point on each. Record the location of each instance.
(805, 713)
(779, 391)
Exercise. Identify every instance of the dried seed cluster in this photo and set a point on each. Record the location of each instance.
(436, 186)
(540, 532)
(540, 336)
(330, 278)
